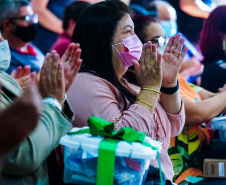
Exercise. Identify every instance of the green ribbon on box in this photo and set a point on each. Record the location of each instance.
(107, 147)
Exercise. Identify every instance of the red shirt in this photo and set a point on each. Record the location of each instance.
(61, 44)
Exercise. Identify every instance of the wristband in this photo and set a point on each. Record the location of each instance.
(170, 90)
(53, 101)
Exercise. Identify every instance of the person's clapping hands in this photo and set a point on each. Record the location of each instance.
(58, 74)
(173, 57)
(52, 83)
(22, 76)
(149, 70)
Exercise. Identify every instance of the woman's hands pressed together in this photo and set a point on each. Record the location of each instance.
(149, 71)
(52, 83)
(149, 76)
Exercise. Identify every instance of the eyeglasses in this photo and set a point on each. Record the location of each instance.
(28, 18)
(161, 40)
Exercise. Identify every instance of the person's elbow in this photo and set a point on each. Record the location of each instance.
(177, 128)
(185, 6)
(196, 119)
(186, 9)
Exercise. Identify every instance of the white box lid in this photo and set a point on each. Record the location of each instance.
(90, 144)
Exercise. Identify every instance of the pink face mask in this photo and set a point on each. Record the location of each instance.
(133, 47)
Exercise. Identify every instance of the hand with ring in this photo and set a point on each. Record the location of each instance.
(173, 57)
(149, 70)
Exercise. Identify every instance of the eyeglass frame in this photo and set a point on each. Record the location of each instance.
(28, 20)
(156, 39)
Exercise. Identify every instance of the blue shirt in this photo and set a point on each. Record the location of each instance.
(22, 59)
(46, 38)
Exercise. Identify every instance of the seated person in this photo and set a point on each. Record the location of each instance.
(70, 17)
(105, 30)
(199, 107)
(191, 67)
(213, 48)
(18, 26)
(191, 15)
(26, 163)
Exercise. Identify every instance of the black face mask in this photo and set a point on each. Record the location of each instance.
(27, 34)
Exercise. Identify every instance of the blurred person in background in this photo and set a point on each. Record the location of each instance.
(18, 25)
(70, 17)
(167, 16)
(50, 21)
(50, 25)
(213, 48)
(190, 16)
(191, 67)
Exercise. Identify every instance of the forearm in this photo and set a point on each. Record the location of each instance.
(35, 149)
(149, 97)
(47, 19)
(171, 103)
(206, 94)
(195, 8)
(204, 110)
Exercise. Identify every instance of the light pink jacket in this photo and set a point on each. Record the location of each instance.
(94, 96)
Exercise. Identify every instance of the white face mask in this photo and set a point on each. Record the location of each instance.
(161, 49)
(4, 56)
(169, 27)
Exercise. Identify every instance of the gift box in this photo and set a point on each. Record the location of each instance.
(93, 159)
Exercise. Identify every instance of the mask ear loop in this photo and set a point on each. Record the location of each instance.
(115, 47)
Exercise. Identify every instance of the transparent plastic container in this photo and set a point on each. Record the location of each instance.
(81, 154)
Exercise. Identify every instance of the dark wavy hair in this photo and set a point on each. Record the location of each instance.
(94, 31)
(140, 23)
(73, 11)
(212, 34)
